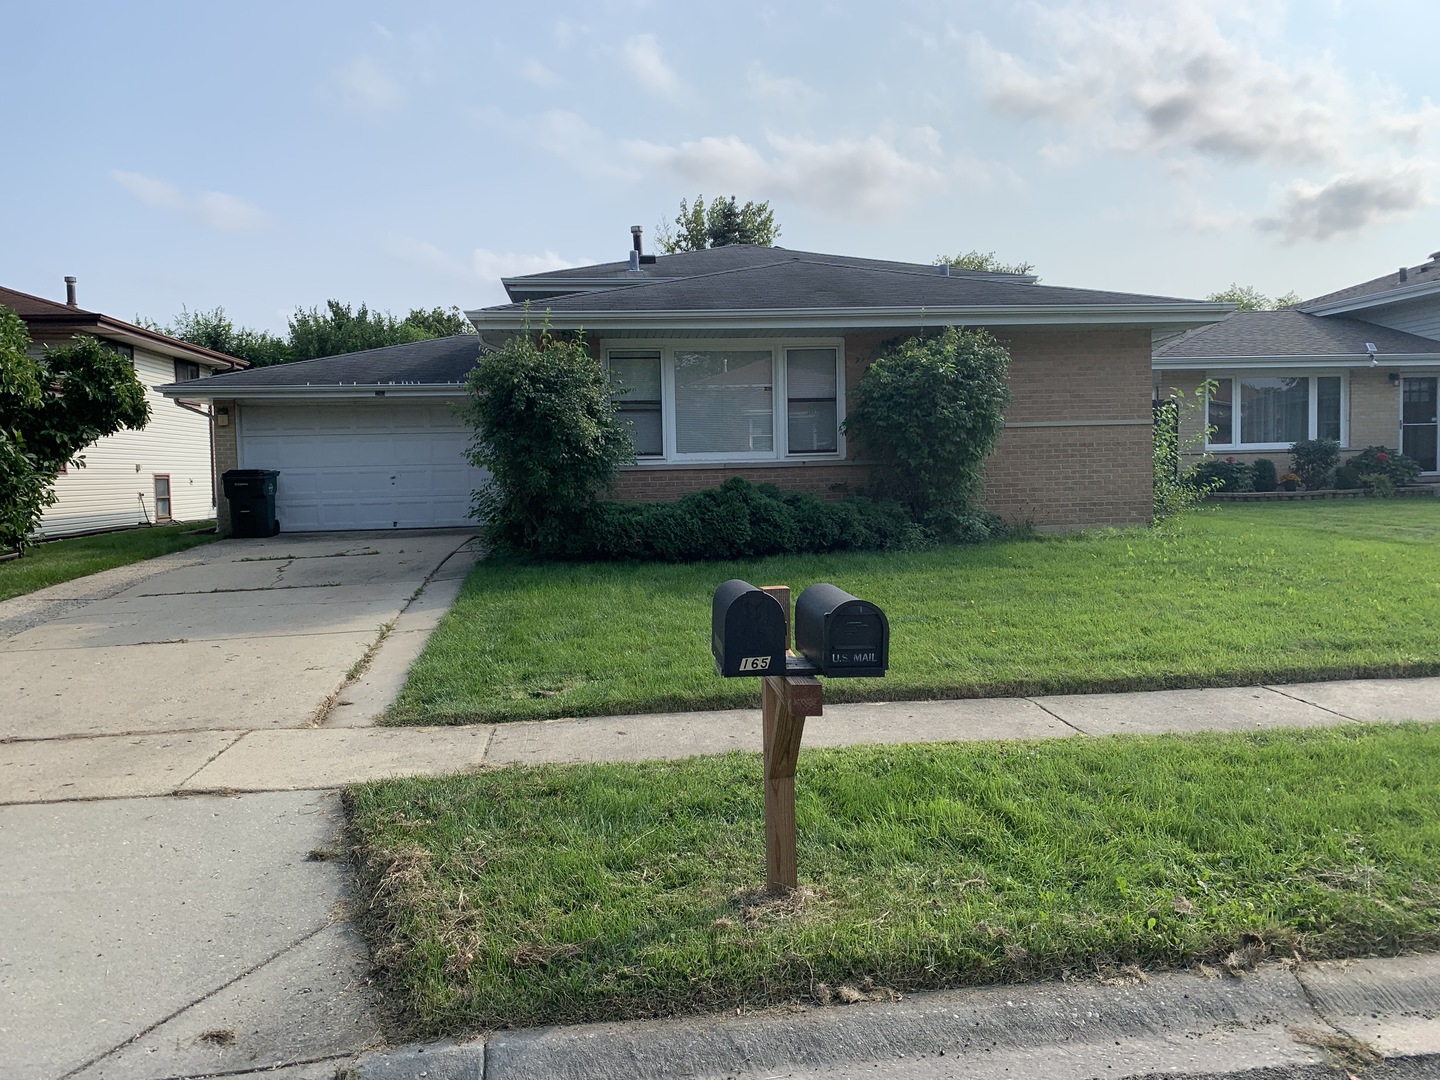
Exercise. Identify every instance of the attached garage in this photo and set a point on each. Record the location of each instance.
(368, 440)
(373, 464)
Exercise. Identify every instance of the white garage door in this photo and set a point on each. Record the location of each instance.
(362, 465)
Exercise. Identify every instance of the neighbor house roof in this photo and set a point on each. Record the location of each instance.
(760, 288)
(439, 364)
(1389, 288)
(1292, 335)
(62, 319)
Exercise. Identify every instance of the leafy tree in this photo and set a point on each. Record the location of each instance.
(51, 408)
(339, 329)
(722, 223)
(984, 260)
(1249, 298)
(439, 322)
(1180, 433)
(930, 410)
(548, 431)
(214, 330)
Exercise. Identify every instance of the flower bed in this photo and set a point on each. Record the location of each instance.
(1413, 491)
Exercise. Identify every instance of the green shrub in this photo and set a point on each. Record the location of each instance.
(1314, 461)
(1347, 478)
(1227, 475)
(1177, 488)
(740, 520)
(1382, 461)
(548, 432)
(1263, 475)
(929, 411)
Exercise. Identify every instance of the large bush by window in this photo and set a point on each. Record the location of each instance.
(548, 432)
(929, 411)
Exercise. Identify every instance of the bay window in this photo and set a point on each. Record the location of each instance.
(1272, 410)
(730, 401)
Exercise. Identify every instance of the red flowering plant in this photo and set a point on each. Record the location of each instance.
(1381, 461)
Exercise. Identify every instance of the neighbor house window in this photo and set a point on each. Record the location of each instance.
(730, 401)
(186, 370)
(162, 497)
(636, 378)
(1269, 411)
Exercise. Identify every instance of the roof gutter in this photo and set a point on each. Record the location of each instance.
(1326, 360)
(1178, 314)
(204, 389)
(136, 335)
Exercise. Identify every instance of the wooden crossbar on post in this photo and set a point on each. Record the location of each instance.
(785, 702)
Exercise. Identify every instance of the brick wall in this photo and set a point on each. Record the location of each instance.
(1084, 465)
(227, 456)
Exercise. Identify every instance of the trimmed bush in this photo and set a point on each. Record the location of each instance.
(1225, 475)
(1263, 475)
(1347, 478)
(1314, 461)
(741, 520)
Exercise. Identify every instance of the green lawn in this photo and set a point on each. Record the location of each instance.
(64, 560)
(526, 896)
(1232, 594)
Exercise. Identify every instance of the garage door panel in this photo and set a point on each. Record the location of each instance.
(363, 465)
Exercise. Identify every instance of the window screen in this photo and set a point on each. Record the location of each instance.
(724, 402)
(636, 379)
(811, 412)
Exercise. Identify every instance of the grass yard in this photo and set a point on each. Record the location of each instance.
(1229, 595)
(64, 560)
(593, 892)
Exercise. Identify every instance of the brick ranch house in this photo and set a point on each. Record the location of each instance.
(1360, 365)
(739, 362)
(160, 474)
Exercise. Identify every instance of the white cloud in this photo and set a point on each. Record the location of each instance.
(532, 71)
(780, 91)
(842, 176)
(574, 140)
(641, 57)
(364, 87)
(1348, 203)
(218, 210)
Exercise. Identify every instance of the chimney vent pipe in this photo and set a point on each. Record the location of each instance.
(634, 259)
(1404, 275)
(635, 231)
(70, 291)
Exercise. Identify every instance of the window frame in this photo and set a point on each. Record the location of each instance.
(779, 395)
(1312, 414)
(169, 497)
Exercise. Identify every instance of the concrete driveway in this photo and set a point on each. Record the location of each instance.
(147, 937)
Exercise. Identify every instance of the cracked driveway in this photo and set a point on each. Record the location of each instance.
(186, 936)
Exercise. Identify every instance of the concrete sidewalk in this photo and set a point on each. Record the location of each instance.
(310, 758)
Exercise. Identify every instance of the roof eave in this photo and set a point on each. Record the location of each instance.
(92, 323)
(201, 389)
(1373, 300)
(1179, 314)
(1338, 360)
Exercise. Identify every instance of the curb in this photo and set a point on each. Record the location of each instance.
(1318, 1020)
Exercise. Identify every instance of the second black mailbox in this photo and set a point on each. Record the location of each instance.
(747, 631)
(841, 634)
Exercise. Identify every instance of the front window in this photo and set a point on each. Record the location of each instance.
(744, 401)
(1271, 411)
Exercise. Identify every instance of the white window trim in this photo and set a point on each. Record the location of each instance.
(1238, 376)
(779, 393)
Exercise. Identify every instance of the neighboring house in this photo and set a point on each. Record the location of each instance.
(740, 361)
(1361, 366)
(162, 473)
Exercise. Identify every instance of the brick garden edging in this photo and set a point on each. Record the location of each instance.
(1415, 491)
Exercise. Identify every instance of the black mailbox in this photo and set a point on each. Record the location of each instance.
(840, 634)
(747, 631)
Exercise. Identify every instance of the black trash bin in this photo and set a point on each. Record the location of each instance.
(251, 493)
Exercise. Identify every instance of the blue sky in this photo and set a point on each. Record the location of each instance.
(263, 156)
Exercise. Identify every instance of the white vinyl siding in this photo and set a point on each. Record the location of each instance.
(363, 464)
(116, 488)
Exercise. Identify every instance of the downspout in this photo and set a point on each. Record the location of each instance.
(210, 430)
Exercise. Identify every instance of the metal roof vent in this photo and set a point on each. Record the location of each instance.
(943, 269)
(634, 259)
(70, 291)
(1404, 275)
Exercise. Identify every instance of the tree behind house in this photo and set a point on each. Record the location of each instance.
(1249, 298)
(722, 223)
(984, 260)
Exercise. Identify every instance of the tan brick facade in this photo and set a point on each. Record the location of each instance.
(1079, 455)
(227, 457)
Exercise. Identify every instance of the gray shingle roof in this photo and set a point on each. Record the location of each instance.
(1425, 273)
(437, 361)
(1291, 333)
(794, 281)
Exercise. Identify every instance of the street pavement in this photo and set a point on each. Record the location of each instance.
(171, 903)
